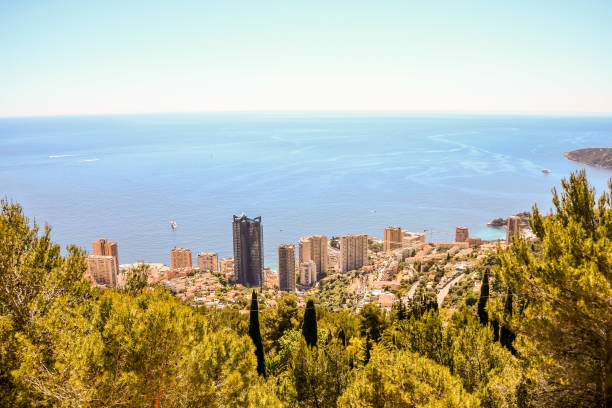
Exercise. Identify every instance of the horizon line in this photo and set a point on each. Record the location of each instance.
(327, 111)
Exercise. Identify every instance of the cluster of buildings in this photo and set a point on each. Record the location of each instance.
(315, 256)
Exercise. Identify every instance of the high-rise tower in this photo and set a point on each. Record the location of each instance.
(104, 248)
(462, 234)
(248, 250)
(314, 248)
(181, 258)
(392, 239)
(286, 267)
(513, 228)
(353, 252)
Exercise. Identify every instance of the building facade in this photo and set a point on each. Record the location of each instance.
(392, 239)
(208, 261)
(227, 266)
(461, 234)
(286, 267)
(180, 258)
(103, 247)
(412, 239)
(308, 273)
(353, 252)
(513, 228)
(314, 248)
(102, 270)
(248, 250)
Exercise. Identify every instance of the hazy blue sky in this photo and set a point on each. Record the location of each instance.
(65, 57)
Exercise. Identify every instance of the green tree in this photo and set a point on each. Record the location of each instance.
(136, 278)
(372, 321)
(33, 274)
(403, 379)
(309, 326)
(401, 311)
(482, 301)
(507, 337)
(423, 335)
(564, 321)
(319, 375)
(367, 349)
(137, 351)
(277, 320)
(255, 335)
(475, 355)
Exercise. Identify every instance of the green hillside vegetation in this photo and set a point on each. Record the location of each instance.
(538, 336)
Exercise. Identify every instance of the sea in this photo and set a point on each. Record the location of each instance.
(125, 177)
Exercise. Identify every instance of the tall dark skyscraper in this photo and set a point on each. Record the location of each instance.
(248, 250)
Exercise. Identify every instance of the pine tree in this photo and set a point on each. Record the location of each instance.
(565, 293)
(309, 326)
(255, 335)
(482, 302)
(506, 335)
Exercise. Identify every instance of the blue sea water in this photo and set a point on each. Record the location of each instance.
(125, 177)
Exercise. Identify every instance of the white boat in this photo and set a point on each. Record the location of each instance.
(546, 171)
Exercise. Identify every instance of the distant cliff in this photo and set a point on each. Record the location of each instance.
(600, 156)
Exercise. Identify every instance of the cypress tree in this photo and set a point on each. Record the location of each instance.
(309, 326)
(401, 311)
(342, 337)
(482, 302)
(255, 335)
(506, 335)
(368, 347)
(495, 327)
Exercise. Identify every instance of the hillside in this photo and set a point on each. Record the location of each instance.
(599, 156)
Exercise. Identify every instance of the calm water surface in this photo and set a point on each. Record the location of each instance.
(126, 177)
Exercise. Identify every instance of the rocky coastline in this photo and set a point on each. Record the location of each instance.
(598, 157)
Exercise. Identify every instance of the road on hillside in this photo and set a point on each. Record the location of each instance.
(444, 291)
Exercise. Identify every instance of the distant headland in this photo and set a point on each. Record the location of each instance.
(599, 156)
(502, 222)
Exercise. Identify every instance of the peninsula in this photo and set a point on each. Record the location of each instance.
(599, 157)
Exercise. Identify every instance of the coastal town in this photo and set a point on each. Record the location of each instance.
(345, 272)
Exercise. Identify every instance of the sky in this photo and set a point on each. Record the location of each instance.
(98, 57)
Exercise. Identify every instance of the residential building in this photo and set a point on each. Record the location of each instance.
(208, 261)
(248, 250)
(103, 247)
(270, 278)
(353, 252)
(180, 258)
(392, 239)
(513, 228)
(386, 300)
(333, 261)
(308, 273)
(314, 248)
(102, 270)
(475, 241)
(411, 239)
(286, 267)
(227, 266)
(461, 234)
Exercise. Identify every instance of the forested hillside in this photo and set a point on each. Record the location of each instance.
(538, 336)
